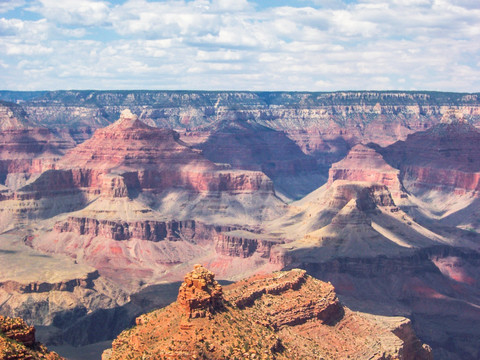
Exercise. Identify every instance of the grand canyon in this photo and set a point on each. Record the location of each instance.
(347, 216)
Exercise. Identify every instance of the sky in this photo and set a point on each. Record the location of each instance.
(269, 45)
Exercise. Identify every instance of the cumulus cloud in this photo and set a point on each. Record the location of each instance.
(236, 44)
(72, 12)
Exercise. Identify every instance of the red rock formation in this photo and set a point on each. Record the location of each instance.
(444, 157)
(365, 164)
(285, 315)
(16, 329)
(132, 155)
(200, 295)
(17, 341)
(25, 150)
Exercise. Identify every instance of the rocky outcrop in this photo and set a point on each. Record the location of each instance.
(283, 315)
(16, 329)
(17, 341)
(199, 295)
(12, 117)
(244, 244)
(25, 150)
(413, 347)
(429, 284)
(24, 155)
(365, 164)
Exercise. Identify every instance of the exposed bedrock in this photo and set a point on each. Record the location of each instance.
(144, 230)
(435, 287)
(236, 245)
(284, 315)
(365, 164)
(18, 342)
(443, 158)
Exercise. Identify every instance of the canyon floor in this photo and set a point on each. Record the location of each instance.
(103, 210)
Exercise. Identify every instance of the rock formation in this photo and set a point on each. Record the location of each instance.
(284, 315)
(17, 342)
(130, 159)
(245, 144)
(365, 164)
(323, 125)
(25, 150)
(200, 295)
(443, 158)
(152, 158)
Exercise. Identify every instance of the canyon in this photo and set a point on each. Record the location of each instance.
(108, 198)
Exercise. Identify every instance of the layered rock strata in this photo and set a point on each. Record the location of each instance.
(365, 164)
(25, 150)
(150, 158)
(244, 244)
(443, 158)
(282, 315)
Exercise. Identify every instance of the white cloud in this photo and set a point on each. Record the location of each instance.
(15, 48)
(32, 31)
(7, 5)
(72, 12)
(227, 44)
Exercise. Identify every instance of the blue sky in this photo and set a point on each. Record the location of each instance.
(304, 45)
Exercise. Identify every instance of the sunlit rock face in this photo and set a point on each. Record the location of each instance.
(283, 315)
(17, 341)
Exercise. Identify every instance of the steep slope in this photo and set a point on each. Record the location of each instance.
(444, 157)
(383, 260)
(349, 218)
(245, 144)
(25, 150)
(17, 342)
(154, 204)
(441, 168)
(279, 316)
